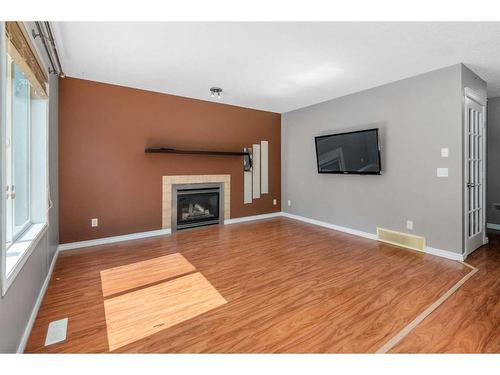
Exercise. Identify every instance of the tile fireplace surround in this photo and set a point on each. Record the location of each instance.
(168, 181)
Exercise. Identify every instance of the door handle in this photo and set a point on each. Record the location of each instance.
(12, 194)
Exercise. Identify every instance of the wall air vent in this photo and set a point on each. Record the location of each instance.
(409, 241)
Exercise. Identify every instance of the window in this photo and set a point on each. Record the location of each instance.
(17, 153)
(24, 170)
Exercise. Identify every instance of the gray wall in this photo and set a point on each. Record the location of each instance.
(416, 117)
(493, 175)
(16, 306)
(53, 233)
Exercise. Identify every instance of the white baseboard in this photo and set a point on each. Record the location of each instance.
(444, 254)
(324, 224)
(251, 218)
(34, 312)
(153, 233)
(493, 226)
(372, 236)
(429, 250)
(107, 240)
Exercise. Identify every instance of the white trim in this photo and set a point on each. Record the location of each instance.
(107, 240)
(134, 236)
(478, 99)
(153, 233)
(251, 218)
(444, 253)
(493, 226)
(339, 228)
(428, 250)
(475, 96)
(3, 215)
(26, 248)
(34, 312)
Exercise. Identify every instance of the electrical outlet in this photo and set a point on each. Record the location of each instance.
(94, 222)
(409, 224)
(275, 202)
(444, 152)
(289, 203)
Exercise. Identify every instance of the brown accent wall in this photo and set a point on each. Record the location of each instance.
(104, 172)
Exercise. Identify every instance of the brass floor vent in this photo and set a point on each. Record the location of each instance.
(409, 241)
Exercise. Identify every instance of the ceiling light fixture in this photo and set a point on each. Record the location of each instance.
(216, 91)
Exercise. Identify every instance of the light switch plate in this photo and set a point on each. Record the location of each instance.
(56, 331)
(444, 152)
(94, 222)
(275, 202)
(442, 172)
(289, 203)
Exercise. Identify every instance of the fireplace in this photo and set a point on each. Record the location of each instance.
(195, 205)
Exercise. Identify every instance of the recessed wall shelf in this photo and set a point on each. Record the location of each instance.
(165, 150)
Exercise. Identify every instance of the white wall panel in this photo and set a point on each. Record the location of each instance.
(247, 187)
(264, 167)
(256, 170)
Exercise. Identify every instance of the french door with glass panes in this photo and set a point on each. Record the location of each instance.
(475, 226)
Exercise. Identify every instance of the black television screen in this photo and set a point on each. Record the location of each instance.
(354, 152)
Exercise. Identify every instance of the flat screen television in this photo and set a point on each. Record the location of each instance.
(349, 153)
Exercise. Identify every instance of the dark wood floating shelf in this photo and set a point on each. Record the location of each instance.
(164, 150)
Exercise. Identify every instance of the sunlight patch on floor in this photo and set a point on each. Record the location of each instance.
(142, 312)
(123, 278)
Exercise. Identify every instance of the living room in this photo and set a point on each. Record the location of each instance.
(249, 187)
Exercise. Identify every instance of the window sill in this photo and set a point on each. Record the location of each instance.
(18, 253)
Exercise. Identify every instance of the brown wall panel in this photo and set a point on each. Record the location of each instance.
(104, 172)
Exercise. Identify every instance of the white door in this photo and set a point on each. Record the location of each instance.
(475, 225)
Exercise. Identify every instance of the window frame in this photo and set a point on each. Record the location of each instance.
(33, 231)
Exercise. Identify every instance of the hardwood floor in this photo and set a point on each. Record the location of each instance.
(269, 286)
(469, 321)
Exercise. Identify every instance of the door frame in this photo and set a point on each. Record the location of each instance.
(470, 94)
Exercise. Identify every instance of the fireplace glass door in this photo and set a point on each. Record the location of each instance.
(196, 207)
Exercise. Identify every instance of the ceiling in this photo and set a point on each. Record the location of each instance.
(273, 66)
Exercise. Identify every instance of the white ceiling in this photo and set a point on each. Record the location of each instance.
(273, 66)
